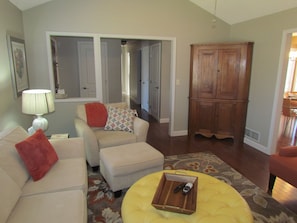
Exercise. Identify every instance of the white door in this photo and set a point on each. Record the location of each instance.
(145, 78)
(86, 64)
(154, 85)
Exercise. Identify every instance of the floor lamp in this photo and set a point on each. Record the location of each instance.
(37, 102)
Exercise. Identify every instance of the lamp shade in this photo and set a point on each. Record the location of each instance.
(37, 102)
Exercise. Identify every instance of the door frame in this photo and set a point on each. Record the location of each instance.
(172, 69)
(279, 90)
(145, 78)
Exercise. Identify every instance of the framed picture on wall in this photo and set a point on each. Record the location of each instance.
(18, 64)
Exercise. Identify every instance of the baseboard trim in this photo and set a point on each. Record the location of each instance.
(257, 146)
(179, 133)
(247, 141)
(164, 120)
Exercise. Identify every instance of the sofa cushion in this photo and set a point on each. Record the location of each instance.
(9, 195)
(66, 174)
(59, 207)
(38, 154)
(10, 161)
(96, 114)
(120, 119)
(114, 138)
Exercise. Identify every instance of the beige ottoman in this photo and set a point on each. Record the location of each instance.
(121, 166)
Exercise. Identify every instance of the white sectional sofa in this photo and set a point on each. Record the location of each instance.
(60, 196)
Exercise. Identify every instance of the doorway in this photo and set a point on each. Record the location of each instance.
(288, 120)
(141, 71)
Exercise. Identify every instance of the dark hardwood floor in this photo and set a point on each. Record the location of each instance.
(250, 162)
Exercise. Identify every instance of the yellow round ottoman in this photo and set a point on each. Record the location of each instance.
(216, 202)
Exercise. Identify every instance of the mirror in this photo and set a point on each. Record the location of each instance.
(72, 66)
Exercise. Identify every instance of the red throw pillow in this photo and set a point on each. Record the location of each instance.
(96, 114)
(38, 154)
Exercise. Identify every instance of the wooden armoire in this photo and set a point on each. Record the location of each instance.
(219, 89)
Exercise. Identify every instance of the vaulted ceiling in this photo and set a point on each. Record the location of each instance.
(230, 11)
(236, 11)
(27, 4)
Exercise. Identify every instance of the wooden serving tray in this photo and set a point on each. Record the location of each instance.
(165, 199)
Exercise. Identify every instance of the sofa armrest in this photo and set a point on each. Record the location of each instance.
(90, 141)
(288, 151)
(140, 129)
(69, 148)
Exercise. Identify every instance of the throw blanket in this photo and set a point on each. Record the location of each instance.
(96, 114)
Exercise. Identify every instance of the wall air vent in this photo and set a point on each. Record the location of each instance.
(252, 134)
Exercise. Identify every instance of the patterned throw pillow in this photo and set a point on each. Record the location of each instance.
(120, 119)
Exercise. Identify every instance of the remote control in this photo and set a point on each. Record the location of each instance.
(179, 187)
(187, 188)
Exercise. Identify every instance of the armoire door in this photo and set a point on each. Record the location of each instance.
(204, 69)
(228, 73)
(224, 119)
(202, 115)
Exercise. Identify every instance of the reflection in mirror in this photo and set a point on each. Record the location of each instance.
(73, 66)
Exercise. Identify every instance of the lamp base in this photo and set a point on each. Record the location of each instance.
(38, 123)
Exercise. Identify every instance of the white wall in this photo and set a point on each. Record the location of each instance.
(165, 82)
(182, 20)
(114, 69)
(10, 108)
(267, 34)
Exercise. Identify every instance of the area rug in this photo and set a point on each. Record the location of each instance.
(104, 208)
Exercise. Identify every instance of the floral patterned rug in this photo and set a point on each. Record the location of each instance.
(104, 208)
